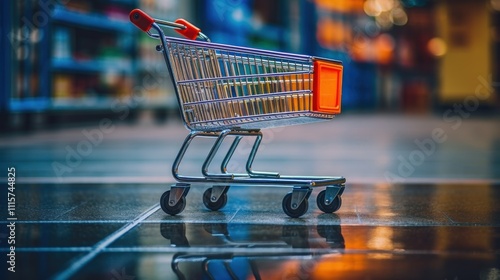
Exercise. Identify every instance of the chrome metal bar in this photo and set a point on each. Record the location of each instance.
(170, 24)
(246, 50)
(170, 70)
(248, 97)
(240, 77)
(229, 154)
(182, 152)
(175, 26)
(311, 181)
(211, 155)
(251, 157)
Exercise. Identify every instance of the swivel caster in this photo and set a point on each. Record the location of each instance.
(173, 201)
(215, 198)
(296, 207)
(172, 209)
(328, 208)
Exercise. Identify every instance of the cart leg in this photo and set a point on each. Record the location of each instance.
(182, 152)
(211, 155)
(180, 156)
(230, 153)
(251, 157)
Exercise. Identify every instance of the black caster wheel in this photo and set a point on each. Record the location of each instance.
(214, 206)
(334, 206)
(294, 213)
(172, 210)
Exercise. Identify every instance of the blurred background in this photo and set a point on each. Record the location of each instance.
(87, 108)
(69, 61)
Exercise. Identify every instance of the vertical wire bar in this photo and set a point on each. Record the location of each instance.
(246, 86)
(234, 90)
(187, 93)
(209, 93)
(227, 72)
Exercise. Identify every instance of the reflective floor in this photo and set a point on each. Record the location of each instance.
(102, 220)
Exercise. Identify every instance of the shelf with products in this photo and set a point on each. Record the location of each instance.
(93, 54)
(25, 78)
(86, 56)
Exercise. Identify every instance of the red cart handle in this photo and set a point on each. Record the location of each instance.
(141, 19)
(144, 22)
(190, 32)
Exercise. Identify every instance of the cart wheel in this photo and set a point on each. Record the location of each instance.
(172, 210)
(176, 233)
(294, 213)
(334, 206)
(214, 206)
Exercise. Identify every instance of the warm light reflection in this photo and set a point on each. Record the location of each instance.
(480, 240)
(339, 266)
(381, 239)
(372, 8)
(398, 16)
(386, 12)
(351, 6)
(495, 4)
(384, 46)
(332, 33)
(437, 47)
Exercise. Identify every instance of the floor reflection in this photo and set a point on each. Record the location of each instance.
(248, 251)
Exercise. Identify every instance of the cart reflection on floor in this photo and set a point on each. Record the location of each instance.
(240, 251)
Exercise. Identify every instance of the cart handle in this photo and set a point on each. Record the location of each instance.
(144, 22)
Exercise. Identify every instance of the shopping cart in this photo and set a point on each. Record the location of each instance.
(225, 90)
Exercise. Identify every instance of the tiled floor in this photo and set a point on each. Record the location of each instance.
(101, 219)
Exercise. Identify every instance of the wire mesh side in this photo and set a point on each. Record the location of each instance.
(219, 84)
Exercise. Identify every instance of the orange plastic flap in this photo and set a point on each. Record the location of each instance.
(327, 87)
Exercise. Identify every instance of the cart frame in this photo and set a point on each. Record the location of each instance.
(173, 201)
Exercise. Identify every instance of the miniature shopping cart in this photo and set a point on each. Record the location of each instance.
(225, 90)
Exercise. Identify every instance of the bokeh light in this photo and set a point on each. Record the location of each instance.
(437, 47)
(495, 4)
(386, 12)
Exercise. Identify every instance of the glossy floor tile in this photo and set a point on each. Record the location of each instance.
(101, 219)
(419, 231)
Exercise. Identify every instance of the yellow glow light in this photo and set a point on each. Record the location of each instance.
(399, 17)
(495, 4)
(386, 5)
(372, 8)
(437, 46)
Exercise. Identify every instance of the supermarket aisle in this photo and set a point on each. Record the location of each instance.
(415, 206)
